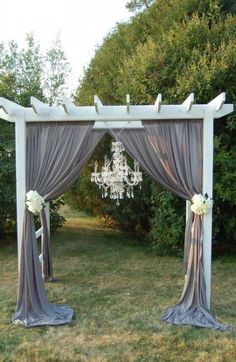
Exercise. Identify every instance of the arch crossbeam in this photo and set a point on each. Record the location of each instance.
(40, 112)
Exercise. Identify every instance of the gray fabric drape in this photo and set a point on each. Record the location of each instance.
(88, 146)
(47, 265)
(55, 155)
(171, 152)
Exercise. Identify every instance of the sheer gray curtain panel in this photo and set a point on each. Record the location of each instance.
(56, 153)
(170, 151)
(88, 146)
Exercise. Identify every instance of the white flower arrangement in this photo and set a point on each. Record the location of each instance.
(201, 204)
(34, 202)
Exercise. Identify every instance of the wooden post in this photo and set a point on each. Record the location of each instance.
(20, 139)
(208, 145)
(188, 210)
(40, 231)
(47, 212)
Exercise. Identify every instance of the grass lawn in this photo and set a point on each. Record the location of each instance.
(118, 289)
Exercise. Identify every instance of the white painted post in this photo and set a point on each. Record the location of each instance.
(208, 134)
(47, 212)
(188, 210)
(20, 145)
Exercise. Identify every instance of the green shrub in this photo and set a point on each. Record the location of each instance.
(173, 47)
(168, 222)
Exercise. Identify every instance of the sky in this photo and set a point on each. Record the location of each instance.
(82, 25)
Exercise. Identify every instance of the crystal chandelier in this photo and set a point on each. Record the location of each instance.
(116, 176)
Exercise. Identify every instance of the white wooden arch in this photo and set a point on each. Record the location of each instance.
(124, 116)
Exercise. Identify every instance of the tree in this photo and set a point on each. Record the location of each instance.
(56, 69)
(174, 47)
(23, 73)
(135, 5)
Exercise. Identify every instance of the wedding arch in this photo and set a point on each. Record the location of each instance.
(173, 143)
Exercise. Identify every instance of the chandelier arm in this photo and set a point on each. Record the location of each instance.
(98, 179)
(132, 183)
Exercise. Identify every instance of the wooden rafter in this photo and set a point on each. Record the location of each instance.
(218, 102)
(97, 104)
(187, 104)
(158, 102)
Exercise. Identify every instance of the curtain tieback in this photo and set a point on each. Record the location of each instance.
(34, 202)
(201, 204)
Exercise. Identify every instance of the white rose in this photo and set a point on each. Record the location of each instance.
(201, 204)
(198, 199)
(209, 203)
(34, 201)
(205, 209)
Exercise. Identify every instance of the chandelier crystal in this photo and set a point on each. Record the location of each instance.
(116, 178)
